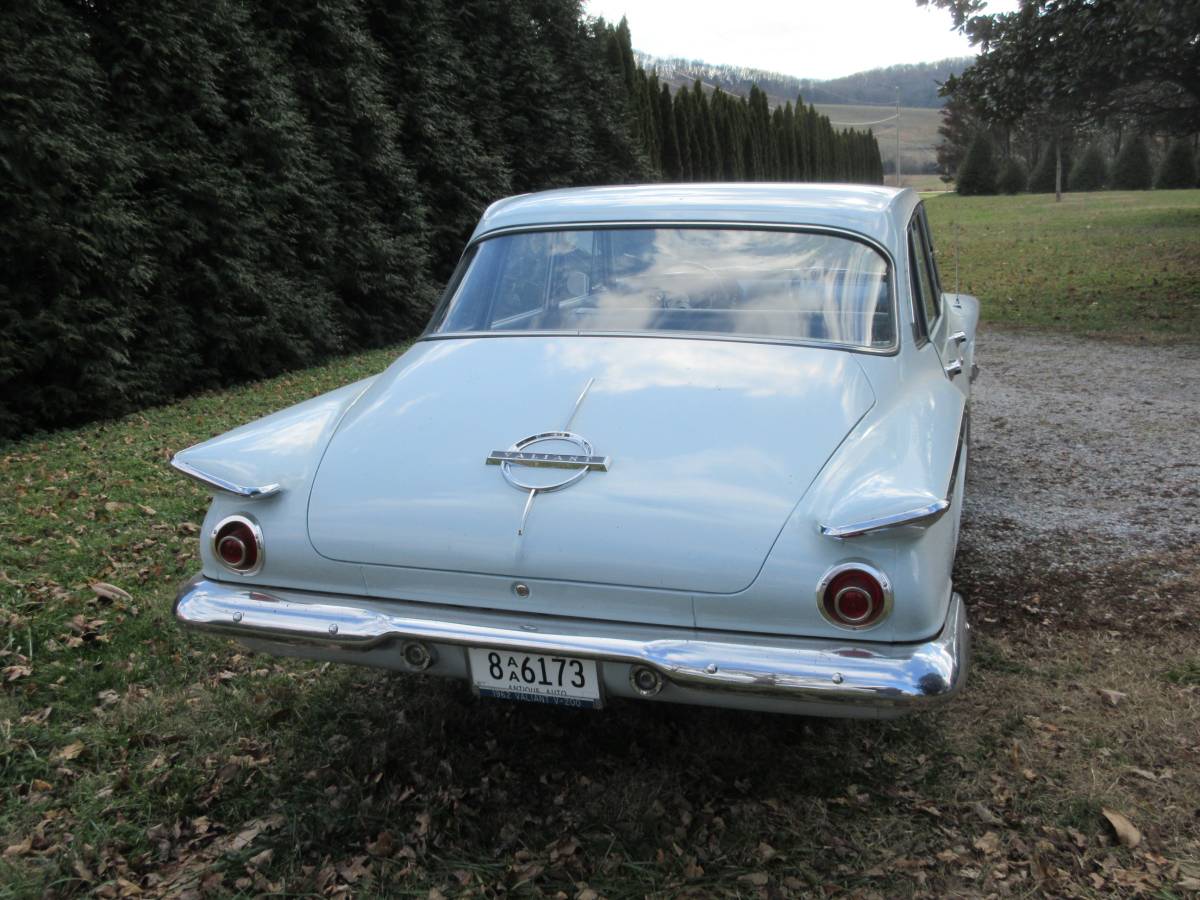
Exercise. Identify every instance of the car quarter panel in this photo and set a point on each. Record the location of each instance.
(899, 457)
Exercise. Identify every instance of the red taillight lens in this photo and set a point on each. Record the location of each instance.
(854, 598)
(237, 545)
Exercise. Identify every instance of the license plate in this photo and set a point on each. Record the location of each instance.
(557, 680)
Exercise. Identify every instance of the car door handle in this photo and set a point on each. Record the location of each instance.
(954, 368)
(958, 338)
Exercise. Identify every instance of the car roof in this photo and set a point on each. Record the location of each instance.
(877, 212)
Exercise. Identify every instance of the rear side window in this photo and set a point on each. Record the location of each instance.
(924, 289)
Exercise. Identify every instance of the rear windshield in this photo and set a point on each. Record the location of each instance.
(782, 285)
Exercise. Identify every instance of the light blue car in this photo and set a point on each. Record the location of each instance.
(682, 443)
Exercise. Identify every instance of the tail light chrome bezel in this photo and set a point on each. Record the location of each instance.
(885, 586)
(255, 531)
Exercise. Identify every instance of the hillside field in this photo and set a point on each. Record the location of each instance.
(918, 130)
(136, 759)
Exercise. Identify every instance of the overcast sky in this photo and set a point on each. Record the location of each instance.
(805, 38)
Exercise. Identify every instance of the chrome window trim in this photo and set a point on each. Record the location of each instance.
(888, 258)
(246, 492)
(858, 565)
(922, 329)
(934, 272)
(250, 523)
(918, 218)
(922, 516)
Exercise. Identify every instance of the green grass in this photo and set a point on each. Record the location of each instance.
(134, 754)
(1120, 262)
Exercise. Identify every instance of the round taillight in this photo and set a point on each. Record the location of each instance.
(854, 596)
(237, 543)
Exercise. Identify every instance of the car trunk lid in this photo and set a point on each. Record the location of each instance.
(709, 445)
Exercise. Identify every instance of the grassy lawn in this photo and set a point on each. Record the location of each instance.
(1120, 262)
(135, 758)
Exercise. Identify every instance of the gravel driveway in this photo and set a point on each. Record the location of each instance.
(1084, 478)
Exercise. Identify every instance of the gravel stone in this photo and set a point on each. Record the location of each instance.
(1082, 450)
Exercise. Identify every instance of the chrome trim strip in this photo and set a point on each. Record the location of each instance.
(861, 673)
(215, 481)
(922, 516)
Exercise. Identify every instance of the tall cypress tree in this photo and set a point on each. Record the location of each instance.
(672, 163)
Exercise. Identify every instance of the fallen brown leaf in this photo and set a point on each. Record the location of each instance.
(1111, 697)
(110, 591)
(988, 844)
(18, 849)
(1126, 832)
(986, 815)
(71, 751)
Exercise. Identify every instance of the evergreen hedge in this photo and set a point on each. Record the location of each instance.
(1132, 170)
(1090, 172)
(1042, 178)
(196, 194)
(1013, 176)
(1178, 169)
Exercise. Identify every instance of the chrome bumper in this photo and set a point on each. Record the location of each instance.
(809, 670)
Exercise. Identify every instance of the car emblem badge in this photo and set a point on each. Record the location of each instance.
(523, 454)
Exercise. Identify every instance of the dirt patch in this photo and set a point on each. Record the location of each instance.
(1083, 493)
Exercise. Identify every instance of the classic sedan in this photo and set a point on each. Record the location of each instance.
(696, 444)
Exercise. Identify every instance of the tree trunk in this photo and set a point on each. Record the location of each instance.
(1057, 171)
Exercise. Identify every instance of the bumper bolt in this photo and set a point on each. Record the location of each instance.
(333, 628)
(237, 616)
(711, 668)
(417, 654)
(645, 681)
(837, 678)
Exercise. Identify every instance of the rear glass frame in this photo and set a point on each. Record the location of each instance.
(455, 283)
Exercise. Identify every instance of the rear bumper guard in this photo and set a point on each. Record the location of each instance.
(859, 673)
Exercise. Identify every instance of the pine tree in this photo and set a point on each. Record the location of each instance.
(1178, 169)
(1090, 172)
(672, 165)
(977, 174)
(1013, 176)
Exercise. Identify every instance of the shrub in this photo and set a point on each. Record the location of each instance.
(1013, 176)
(1090, 172)
(1178, 169)
(1132, 170)
(1041, 181)
(977, 174)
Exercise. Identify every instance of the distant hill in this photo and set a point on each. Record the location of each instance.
(918, 83)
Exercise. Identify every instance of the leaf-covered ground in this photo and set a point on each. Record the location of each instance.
(1118, 262)
(137, 759)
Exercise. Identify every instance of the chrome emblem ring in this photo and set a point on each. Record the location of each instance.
(576, 465)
